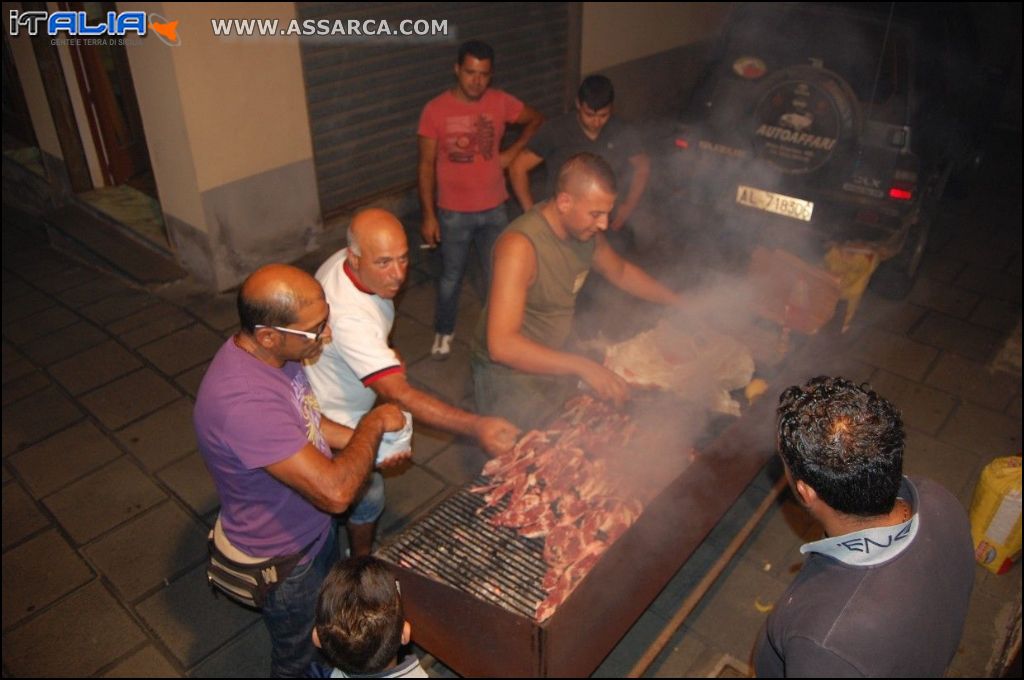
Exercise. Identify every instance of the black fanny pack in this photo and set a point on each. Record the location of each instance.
(249, 584)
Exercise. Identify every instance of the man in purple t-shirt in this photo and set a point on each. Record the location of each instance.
(268, 449)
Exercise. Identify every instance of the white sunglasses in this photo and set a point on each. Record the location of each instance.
(309, 335)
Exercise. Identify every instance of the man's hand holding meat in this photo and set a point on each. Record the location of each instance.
(496, 435)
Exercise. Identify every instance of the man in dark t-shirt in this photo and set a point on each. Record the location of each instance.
(590, 128)
(885, 593)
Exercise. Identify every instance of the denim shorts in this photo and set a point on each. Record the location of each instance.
(371, 504)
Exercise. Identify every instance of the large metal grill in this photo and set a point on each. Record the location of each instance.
(471, 589)
(457, 546)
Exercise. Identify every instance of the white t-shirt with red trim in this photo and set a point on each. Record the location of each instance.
(358, 354)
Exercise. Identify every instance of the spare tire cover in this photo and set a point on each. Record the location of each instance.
(805, 118)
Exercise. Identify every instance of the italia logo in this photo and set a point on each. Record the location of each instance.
(78, 24)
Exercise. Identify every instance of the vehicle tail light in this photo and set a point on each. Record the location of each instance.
(901, 193)
(681, 143)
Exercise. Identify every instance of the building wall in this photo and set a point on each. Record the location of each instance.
(619, 32)
(228, 135)
(652, 51)
(245, 97)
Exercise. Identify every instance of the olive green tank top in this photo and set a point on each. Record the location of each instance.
(562, 267)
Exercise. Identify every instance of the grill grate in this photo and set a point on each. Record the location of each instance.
(454, 545)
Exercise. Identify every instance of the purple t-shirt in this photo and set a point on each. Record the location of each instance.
(249, 415)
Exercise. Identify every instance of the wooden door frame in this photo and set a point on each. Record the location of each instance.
(59, 100)
(103, 114)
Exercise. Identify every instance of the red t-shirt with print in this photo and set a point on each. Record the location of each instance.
(468, 134)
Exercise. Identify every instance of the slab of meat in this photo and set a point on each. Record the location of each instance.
(558, 487)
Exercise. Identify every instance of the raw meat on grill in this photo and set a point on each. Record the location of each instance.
(558, 487)
(566, 583)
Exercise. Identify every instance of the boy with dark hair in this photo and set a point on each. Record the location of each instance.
(592, 128)
(360, 624)
(596, 92)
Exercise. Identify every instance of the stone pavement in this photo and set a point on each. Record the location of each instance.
(106, 502)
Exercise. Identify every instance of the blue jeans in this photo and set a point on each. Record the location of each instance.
(289, 612)
(458, 231)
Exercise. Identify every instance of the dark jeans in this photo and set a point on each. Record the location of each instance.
(289, 613)
(458, 231)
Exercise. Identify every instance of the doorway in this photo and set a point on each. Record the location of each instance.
(103, 73)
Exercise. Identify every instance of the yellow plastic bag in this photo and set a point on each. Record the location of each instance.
(995, 515)
(854, 266)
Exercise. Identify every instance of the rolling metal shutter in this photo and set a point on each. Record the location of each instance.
(365, 94)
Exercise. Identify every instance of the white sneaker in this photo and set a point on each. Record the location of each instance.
(442, 346)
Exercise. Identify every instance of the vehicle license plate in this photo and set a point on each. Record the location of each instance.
(779, 204)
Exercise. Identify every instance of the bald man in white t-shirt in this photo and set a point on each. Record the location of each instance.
(358, 366)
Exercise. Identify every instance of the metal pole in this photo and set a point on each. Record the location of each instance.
(698, 592)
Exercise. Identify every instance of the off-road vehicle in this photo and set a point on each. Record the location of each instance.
(803, 133)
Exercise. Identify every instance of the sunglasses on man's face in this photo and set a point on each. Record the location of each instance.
(309, 335)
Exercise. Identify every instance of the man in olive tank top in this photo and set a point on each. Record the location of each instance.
(521, 369)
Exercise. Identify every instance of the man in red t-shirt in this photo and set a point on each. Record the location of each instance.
(460, 132)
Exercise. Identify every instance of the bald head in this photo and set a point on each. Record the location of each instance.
(274, 294)
(583, 171)
(378, 252)
(373, 225)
